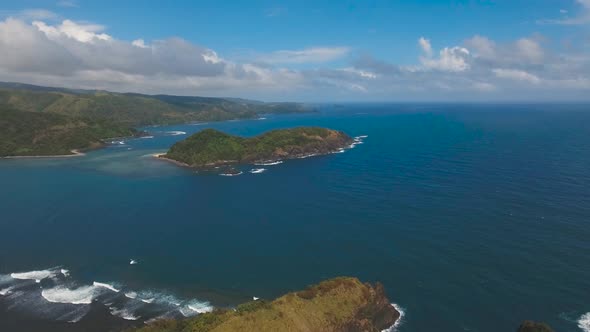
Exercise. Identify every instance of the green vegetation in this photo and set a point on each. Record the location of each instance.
(211, 147)
(341, 304)
(30, 133)
(38, 120)
(136, 109)
(530, 326)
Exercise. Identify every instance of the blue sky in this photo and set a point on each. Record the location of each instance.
(305, 50)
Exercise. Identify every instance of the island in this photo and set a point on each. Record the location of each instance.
(212, 148)
(47, 121)
(340, 304)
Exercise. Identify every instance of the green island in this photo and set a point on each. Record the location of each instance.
(210, 147)
(42, 121)
(340, 304)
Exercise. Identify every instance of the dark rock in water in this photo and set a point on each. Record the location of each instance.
(530, 326)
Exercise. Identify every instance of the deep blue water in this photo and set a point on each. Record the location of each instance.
(474, 217)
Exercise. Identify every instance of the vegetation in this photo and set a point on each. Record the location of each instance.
(211, 147)
(135, 109)
(341, 304)
(38, 120)
(30, 133)
(530, 326)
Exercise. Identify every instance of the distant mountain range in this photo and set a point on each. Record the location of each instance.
(33, 119)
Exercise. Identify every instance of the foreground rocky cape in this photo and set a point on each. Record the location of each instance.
(341, 304)
(211, 147)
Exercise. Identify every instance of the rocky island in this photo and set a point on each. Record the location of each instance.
(340, 304)
(211, 148)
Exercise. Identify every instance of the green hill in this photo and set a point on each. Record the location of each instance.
(135, 109)
(211, 147)
(341, 304)
(32, 133)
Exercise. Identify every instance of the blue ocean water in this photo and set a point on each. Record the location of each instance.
(474, 217)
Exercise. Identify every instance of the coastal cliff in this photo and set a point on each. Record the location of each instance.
(211, 147)
(340, 304)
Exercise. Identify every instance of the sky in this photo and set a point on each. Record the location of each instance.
(316, 51)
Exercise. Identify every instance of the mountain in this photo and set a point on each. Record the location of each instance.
(135, 109)
(36, 120)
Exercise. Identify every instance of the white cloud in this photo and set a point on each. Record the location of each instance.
(581, 18)
(452, 59)
(308, 55)
(425, 45)
(517, 75)
(85, 33)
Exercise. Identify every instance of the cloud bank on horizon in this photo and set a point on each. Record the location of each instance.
(38, 46)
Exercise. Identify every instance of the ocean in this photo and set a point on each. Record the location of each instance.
(475, 217)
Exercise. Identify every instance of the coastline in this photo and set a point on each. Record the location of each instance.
(160, 155)
(75, 153)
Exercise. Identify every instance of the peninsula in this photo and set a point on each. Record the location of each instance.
(210, 148)
(340, 304)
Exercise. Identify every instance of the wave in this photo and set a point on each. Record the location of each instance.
(176, 133)
(63, 298)
(6, 291)
(60, 294)
(131, 295)
(269, 163)
(261, 118)
(34, 275)
(107, 286)
(123, 313)
(584, 322)
(257, 170)
(132, 262)
(398, 322)
(147, 137)
(232, 174)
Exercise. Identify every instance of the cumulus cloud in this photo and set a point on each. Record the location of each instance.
(87, 55)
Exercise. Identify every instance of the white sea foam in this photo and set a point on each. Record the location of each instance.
(195, 307)
(262, 118)
(60, 294)
(123, 313)
(34, 275)
(398, 322)
(231, 174)
(132, 262)
(254, 298)
(257, 170)
(584, 322)
(65, 272)
(150, 300)
(147, 137)
(6, 291)
(176, 132)
(107, 286)
(269, 163)
(363, 136)
(131, 295)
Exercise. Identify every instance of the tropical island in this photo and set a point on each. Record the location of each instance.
(46, 121)
(340, 304)
(212, 148)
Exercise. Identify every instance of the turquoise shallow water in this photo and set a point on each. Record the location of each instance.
(474, 217)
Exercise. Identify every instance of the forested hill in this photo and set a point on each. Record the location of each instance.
(135, 109)
(36, 120)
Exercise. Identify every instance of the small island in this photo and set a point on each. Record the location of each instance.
(340, 304)
(212, 148)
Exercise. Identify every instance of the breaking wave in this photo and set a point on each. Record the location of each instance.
(584, 322)
(34, 275)
(60, 294)
(399, 321)
(270, 163)
(62, 298)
